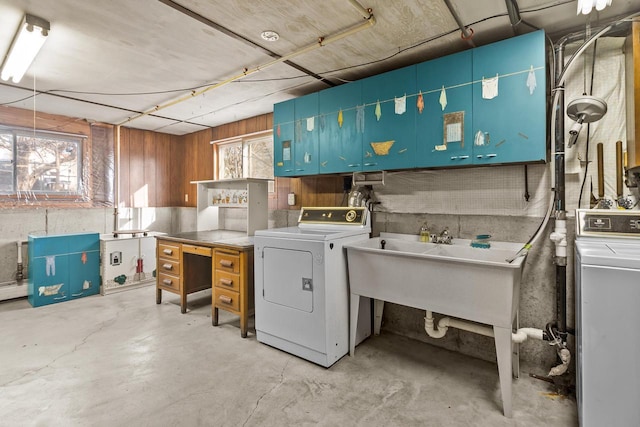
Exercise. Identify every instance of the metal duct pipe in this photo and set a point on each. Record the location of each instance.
(321, 42)
(466, 34)
(514, 14)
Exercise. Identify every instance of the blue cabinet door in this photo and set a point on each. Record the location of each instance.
(510, 127)
(84, 264)
(340, 131)
(445, 128)
(306, 135)
(389, 140)
(283, 126)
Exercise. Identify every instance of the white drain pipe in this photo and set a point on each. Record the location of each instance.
(445, 323)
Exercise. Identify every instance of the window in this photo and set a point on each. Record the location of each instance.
(250, 156)
(40, 162)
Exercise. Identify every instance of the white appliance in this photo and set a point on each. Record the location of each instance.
(127, 260)
(301, 284)
(607, 272)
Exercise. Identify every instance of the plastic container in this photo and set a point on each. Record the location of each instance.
(481, 241)
(425, 236)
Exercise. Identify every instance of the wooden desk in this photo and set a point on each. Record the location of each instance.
(221, 260)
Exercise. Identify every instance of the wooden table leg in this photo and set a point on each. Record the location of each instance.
(183, 303)
(214, 316)
(243, 325)
(158, 295)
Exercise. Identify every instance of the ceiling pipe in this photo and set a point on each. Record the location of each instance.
(466, 34)
(513, 10)
(321, 42)
(241, 38)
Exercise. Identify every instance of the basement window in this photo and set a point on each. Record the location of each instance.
(249, 156)
(36, 162)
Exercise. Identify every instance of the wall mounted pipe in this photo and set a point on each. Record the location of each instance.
(445, 323)
(20, 268)
(321, 42)
(465, 32)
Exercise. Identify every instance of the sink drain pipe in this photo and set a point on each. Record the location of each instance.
(517, 337)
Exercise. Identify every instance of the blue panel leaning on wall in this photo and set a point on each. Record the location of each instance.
(497, 116)
(63, 267)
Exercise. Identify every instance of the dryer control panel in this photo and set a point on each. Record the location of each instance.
(607, 223)
(346, 216)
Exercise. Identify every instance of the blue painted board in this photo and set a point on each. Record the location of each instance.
(283, 126)
(514, 122)
(454, 73)
(396, 130)
(340, 144)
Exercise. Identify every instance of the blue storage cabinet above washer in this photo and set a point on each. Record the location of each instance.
(63, 267)
(283, 125)
(305, 152)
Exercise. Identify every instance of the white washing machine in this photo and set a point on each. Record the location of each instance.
(607, 271)
(301, 284)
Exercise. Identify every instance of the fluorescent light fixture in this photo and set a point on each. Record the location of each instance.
(26, 44)
(585, 6)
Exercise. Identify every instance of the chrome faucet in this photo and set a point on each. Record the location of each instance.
(443, 238)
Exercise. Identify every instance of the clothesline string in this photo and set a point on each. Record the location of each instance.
(515, 73)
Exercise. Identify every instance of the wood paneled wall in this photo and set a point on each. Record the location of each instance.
(151, 168)
(42, 121)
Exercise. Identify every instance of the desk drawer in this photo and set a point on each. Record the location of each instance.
(227, 300)
(169, 266)
(227, 261)
(167, 250)
(197, 250)
(168, 281)
(228, 281)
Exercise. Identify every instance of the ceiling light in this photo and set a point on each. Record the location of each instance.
(270, 35)
(585, 6)
(25, 46)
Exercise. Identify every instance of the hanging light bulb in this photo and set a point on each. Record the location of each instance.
(585, 6)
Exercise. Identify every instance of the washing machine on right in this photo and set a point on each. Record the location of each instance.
(607, 274)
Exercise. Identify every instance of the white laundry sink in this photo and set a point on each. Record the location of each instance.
(458, 280)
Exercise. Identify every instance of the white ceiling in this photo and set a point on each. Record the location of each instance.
(109, 61)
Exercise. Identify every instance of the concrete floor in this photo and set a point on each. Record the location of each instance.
(123, 360)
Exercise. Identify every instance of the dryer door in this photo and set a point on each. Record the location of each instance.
(288, 278)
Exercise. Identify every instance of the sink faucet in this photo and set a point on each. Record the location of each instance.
(443, 238)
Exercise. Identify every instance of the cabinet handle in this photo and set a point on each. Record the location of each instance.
(226, 263)
(167, 282)
(225, 299)
(491, 155)
(167, 266)
(167, 251)
(454, 157)
(370, 164)
(288, 170)
(77, 295)
(479, 156)
(226, 282)
(463, 157)
(353, 165)
(299, 170)
(63, 297)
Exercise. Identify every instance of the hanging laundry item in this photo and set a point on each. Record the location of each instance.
(378, 111)
(443, 98)
(360, 118)
(310, 124)
(340, 118)
(490, 87)
(420, 102)
(401, 104)
(531, 81)
(479, 139)
(278, 131)
(50, 265)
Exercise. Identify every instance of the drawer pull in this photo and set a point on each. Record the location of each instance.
(167, 282)
(226, 263)
(225, 299)
(226, 282)
(167, 266)
(168, 251)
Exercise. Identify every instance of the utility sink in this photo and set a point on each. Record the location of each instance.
(475, 284)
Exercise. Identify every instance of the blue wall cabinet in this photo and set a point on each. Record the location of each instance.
(306, 135)
(283, 135)
(510, 127)
(389, 140)
(444, 135)
(63, 267)
(341, 134)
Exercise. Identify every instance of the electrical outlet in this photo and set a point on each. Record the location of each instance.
(186, 197)
(291, 199)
